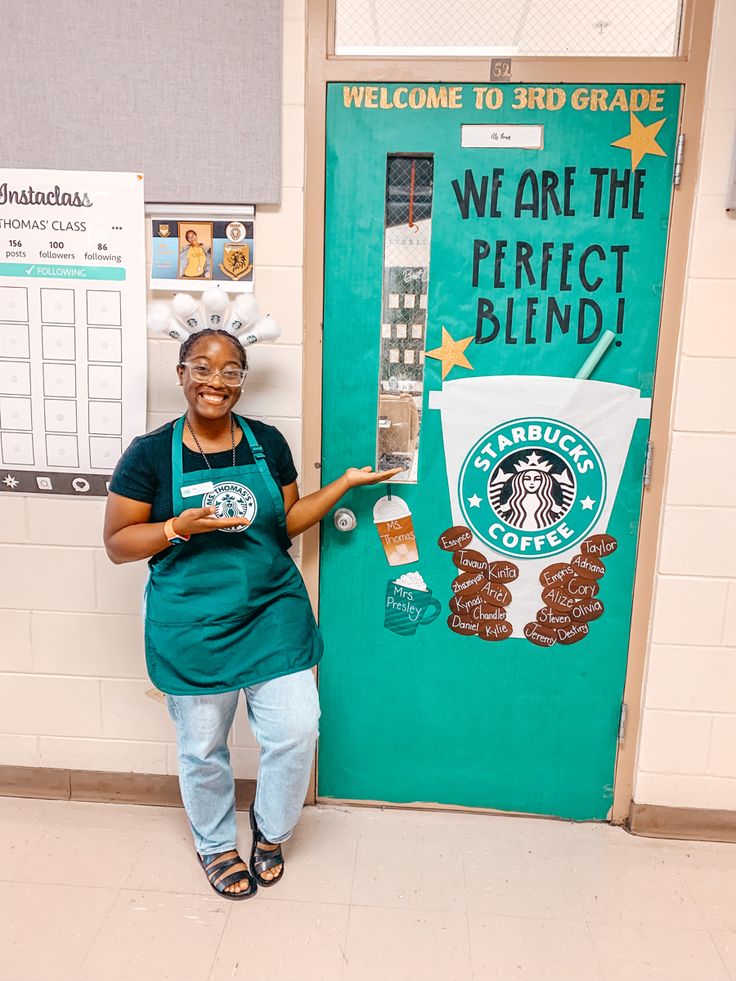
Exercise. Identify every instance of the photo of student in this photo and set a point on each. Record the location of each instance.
(195, 251)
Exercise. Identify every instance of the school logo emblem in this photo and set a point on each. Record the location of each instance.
(532, 487)
(163, 230)
(231, 501)
(235, 231)
(235, 260)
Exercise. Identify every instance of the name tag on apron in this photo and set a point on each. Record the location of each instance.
(193, 490)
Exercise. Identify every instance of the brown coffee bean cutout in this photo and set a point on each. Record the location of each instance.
(573, 633)
(600, 545)
(498, 630)
(540, 635)
(468, 628)
(588, 567)
(582, 588)
(551, 618)
(587, 610)
(464, 604)
(485, 612)
(469, 582)
(503, 571)
(558, 599)
(469, 561)
(454, 538)
(495, 593)
(556, 575)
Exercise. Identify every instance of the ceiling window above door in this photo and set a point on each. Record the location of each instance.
(476, 28)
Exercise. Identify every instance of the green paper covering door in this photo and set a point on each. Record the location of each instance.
(480, 242)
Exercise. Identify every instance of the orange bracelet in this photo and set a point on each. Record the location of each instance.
(171, 534)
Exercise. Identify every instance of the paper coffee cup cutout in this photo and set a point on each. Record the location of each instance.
(533, 467)
(392, 518)
(409, 604)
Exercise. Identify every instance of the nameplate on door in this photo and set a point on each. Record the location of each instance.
(514, 137)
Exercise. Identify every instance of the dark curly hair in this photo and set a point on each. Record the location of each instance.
(189, 343)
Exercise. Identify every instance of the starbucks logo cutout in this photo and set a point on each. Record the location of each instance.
(532, 487)
(231, 500)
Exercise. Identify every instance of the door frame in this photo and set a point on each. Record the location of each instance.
(688, 69)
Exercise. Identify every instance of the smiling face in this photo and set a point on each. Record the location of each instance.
(531, 481)
(213, 399)
(191, 237)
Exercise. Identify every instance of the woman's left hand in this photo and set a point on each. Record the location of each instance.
(361, 477)
(302, 513)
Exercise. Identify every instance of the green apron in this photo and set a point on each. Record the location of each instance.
(228, 608)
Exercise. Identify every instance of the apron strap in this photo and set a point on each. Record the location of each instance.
(278, 501)
(176, 465)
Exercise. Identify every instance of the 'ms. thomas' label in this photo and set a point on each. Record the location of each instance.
(231, 500)
(532, 487)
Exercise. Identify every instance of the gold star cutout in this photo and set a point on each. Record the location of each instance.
(451, 353)
(642, 140)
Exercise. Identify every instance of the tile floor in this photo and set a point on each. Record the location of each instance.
(101, 892)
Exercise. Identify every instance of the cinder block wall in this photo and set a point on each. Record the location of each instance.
(687, 753)
(72, 673)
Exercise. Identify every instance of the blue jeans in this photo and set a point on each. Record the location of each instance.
(283, 714)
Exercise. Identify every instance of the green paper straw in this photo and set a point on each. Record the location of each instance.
(596, 354)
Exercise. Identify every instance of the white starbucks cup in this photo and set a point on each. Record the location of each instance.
(533, 467)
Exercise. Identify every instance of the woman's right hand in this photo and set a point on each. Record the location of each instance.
(130, 535)
(197, 521)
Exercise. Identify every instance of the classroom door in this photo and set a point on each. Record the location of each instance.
(494, 259)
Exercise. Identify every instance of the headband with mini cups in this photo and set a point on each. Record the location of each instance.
(184, 316)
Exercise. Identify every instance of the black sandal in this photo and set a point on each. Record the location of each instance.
(263, 859)
(214, 870)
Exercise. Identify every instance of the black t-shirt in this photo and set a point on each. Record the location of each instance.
(144, 473)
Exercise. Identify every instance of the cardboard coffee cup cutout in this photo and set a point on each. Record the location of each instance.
(409, 604)
(395, 528)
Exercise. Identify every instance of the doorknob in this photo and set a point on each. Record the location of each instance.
(345, 519)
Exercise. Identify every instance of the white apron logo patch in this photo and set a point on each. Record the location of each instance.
(231, 500)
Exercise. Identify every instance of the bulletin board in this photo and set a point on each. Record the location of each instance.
(194, 246)
(72, 336)
(187, 93)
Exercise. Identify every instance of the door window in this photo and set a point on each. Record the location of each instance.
(407, 235)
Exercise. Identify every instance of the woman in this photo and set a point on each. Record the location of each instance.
(211, 501)
(195, 261)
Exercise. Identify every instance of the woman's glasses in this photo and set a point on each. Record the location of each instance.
(203, 373)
